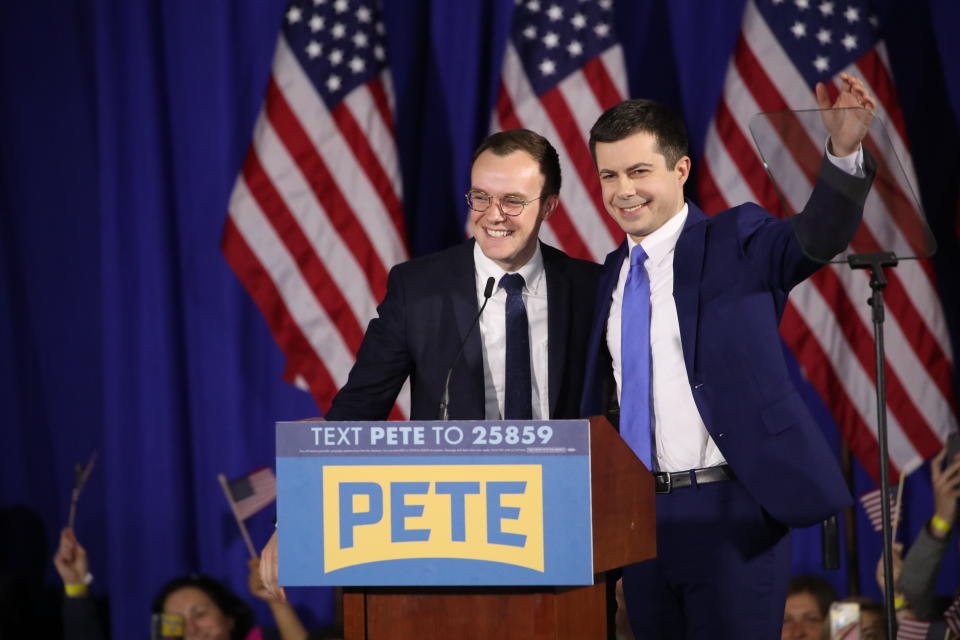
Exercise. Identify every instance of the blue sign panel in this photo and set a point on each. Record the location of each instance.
(434, 503)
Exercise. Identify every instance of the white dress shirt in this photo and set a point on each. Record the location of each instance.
(493, 333)
(681, 440)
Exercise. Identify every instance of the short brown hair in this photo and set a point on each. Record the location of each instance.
(634, 116)
(821, 590)
(506, 142)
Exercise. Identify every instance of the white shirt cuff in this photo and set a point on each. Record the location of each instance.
(851, 164)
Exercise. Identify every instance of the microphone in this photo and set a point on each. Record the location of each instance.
(445, 397)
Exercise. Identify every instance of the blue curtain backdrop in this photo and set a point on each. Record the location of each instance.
(122, 127)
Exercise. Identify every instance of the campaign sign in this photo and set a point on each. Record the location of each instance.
(434, 503)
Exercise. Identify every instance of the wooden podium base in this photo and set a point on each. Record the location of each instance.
(481, 613)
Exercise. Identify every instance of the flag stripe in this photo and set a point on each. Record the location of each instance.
(298, 300)
(322, 138)
(318, 175)
(314, 222)
(571, 137)
(286, 332)
(603, 87)
(368, 161)
(313, 270)
(566, 234)
(836, 387)
(378, 91)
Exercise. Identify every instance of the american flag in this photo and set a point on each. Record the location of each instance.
(562, 68)
(952, 617)
(785, 47)
(873, 503)
(315, 219)
(250, 493)
(912, 629)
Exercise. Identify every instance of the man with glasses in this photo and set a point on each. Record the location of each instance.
(432, 302)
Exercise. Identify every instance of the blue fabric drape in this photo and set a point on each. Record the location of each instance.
(122, 127)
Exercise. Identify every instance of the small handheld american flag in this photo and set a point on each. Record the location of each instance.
(952, 617)
(247, 495)
(872, 503)
(912, 629)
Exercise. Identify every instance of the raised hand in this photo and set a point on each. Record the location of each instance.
(71, 559)
(847, 124)
(269, 570)
(946, 487)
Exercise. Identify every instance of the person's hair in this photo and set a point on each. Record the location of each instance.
(821, 590)
(504, 143)
(635, 116)
(226, 600)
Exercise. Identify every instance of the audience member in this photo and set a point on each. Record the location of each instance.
(807, 608)
(210, 610)
(920, 567)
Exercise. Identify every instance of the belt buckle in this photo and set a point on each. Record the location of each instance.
(668, 481)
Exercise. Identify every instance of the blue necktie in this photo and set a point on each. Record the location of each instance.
(517, 384)
(636, 412)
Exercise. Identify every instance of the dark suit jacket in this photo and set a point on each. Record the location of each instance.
(732, 273)
(430, 305)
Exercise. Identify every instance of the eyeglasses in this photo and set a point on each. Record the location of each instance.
(509, 205)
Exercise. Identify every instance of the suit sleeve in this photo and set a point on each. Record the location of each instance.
(793, 249)
(383, 361)
(918, 577)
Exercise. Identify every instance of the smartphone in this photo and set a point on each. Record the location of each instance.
(844, 621)
(165, 626)
(953, 447)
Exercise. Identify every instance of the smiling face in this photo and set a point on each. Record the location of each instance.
(510, 241)
(203, 619)
(640, 192)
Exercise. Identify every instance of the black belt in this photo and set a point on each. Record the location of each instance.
(667, 482)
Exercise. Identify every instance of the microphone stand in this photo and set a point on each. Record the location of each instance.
(876, 263)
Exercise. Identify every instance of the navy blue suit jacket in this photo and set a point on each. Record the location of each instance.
(429, 307)
(732, 273)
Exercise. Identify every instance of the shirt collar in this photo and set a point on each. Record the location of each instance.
(532, 271)
(660, 244)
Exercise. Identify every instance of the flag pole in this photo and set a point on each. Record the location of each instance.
(236, 516)
(898, 509)
(80, 480)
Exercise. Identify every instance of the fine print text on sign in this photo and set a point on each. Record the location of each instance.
(435, 503)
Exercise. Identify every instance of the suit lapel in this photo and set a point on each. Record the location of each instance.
(558, 323)
(608, 282)
(463, 298)
(687, 270)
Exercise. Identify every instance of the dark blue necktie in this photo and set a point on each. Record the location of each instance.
(517, 384)
(636, 412)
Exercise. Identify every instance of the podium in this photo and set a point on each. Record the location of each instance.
(623, 518)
